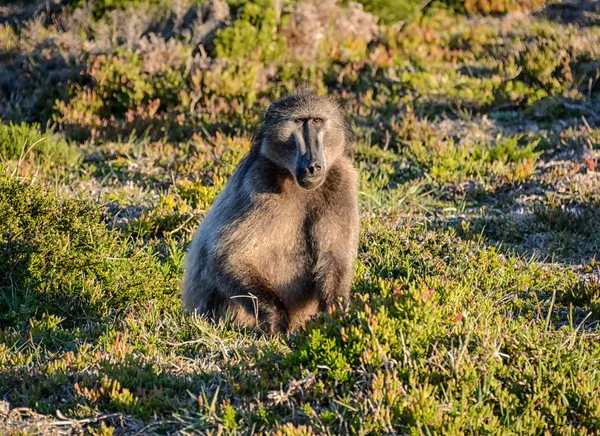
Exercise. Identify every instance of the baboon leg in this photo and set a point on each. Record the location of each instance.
(204, 301)
(256, 305)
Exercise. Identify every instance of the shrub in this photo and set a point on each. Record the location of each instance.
(447, 162)
(252, 35)
(119, 82)
(391, 10)
(101, 7)
(498, 6)
(57, 256)
(122, 96)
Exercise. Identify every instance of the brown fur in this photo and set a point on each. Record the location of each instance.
(270, 251)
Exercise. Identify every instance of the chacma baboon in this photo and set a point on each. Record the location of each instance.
(279, 243)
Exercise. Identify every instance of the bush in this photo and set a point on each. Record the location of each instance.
(447, 162)
(122, 95)
(57, 256)
(100, 7)
(252, 35)
(499, 6)
(396, 10)
(391, 10)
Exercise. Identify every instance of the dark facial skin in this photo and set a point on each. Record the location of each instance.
(310, 165)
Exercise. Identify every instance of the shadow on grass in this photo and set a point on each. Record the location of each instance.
(31, 83)
(564, 232)
(583, 13)
(82, 383)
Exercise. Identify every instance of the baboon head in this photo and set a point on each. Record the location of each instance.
(305, 134)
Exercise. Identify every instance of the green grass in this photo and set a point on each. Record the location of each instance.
(476, 297)
(24, 141)
(58, 258)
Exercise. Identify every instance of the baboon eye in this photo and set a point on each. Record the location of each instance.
(317, 120)
(299, 121)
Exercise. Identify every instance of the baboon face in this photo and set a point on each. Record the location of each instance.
(304, 134)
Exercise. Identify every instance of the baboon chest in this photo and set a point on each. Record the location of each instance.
(275, 244)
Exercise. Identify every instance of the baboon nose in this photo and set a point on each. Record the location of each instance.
(310, 173)
(314, 169)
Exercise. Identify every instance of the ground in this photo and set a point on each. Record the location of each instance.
(476, 297)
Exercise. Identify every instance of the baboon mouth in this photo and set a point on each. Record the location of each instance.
(310, 183)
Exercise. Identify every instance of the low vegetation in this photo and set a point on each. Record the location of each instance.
(476, 297)
(23, 141)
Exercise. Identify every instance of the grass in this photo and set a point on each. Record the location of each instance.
(26, 142)
(476, 297)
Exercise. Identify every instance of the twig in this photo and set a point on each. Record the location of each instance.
(66, 421)
(182, 225)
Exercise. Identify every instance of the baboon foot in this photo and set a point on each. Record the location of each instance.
(275, 321)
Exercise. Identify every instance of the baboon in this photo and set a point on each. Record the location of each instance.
(279, 243)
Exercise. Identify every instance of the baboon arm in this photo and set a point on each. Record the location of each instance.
(336, 243)
(334, 279)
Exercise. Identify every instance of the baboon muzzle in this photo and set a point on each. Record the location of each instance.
(310, 168)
